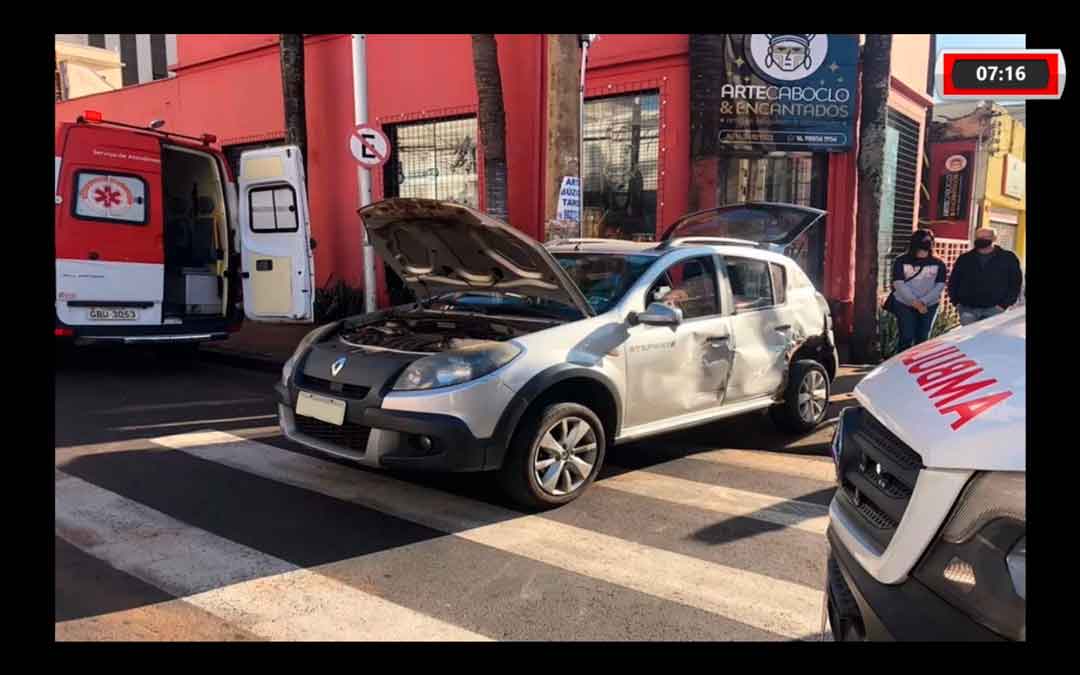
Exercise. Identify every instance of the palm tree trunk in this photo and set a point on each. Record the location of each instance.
(292, 83)
(707, 73)
(876, 62)
(492, 123)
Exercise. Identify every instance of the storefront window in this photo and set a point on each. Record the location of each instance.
(896, 220)
(434, 160)
(619, 172)
(790, 178)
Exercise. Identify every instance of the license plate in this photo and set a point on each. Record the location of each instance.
(329, 410)
(113, 314)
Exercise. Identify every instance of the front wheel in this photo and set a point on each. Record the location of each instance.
(554, 456)
(806, 398)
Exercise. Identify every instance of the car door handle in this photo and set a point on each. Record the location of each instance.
(783, 327)
(716, 338)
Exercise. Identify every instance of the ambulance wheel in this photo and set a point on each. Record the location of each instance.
(806, 398)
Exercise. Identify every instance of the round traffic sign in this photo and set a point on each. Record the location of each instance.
(369, 146)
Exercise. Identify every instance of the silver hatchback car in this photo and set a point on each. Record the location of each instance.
(532, 361)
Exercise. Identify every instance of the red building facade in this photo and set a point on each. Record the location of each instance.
(421, 91)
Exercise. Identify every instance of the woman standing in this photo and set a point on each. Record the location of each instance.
(918, 280)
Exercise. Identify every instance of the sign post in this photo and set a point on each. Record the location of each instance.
(363, 174)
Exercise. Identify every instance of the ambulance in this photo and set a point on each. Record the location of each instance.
(158, 243)
(928, 527)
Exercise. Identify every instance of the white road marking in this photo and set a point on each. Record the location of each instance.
(801, 515)
(179, 406)
(781, 607)
(819, 469)
(269, 597)
(192, 423)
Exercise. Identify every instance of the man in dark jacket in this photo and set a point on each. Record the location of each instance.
(986, 280)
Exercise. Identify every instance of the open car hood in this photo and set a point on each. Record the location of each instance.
(441, 247)
(770, 223)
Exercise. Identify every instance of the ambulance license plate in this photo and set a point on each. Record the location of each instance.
(329, 410)
(113, 314)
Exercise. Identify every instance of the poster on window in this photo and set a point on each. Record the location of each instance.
(111, 198)
(788, 91)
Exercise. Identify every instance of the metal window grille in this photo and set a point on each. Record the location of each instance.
(620, 172)
(434, 159)
(949, 250)
(900, 181)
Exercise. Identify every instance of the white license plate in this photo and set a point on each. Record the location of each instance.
(112, 314)
(329, 410)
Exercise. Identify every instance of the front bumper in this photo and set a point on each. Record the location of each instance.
(393, 437)
(904, 611)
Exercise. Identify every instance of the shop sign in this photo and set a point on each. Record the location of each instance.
(1014, 181)
(789, 92)
(955, 179)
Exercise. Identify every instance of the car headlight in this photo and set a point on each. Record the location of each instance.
(978, 564)
(308, 340)
(455, 367)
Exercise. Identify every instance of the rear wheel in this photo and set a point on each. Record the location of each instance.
(806, 398)
(554, 456)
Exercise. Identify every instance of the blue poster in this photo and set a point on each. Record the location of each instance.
(789, 92)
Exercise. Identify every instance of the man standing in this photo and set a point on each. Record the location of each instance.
(986, 280)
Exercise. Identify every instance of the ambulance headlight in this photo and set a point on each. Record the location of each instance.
(308, 340)
(978, 563)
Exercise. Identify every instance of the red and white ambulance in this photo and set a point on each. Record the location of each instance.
(157, 241)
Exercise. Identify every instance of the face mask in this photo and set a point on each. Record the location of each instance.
(983, 243)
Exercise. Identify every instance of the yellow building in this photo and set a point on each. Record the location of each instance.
(82, 70)
(1004, 200)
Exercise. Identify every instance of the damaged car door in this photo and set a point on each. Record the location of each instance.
(680, 368)
(764, 330)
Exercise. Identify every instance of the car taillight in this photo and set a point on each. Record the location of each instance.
(64, 332)
(92, 116)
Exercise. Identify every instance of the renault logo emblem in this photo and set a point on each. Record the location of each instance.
(336, 366)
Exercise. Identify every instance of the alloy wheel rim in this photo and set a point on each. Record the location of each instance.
(813, 396)
(565, 456)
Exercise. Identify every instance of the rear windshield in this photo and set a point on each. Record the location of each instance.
(765, 224)
(604, 278)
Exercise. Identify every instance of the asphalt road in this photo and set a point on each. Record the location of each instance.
(182, 514)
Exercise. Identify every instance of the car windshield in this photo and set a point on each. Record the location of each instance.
(494, 302)
(604, 278)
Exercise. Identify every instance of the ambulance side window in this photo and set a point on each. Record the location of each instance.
(273, 209)
(110, 197)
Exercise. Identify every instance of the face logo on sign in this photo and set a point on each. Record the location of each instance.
(788, 56)
(955, 163)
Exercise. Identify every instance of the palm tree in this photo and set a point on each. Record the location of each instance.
(876, 63)
(707, 72)
(491, 118)
(292, 84)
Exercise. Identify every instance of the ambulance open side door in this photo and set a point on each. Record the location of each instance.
(277, 268)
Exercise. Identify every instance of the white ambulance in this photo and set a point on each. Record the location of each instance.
(928, 526)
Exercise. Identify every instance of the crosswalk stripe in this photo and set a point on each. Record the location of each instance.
(265, 596)
(192, 423)
(773, 462)
(781, 607)
(776, 510)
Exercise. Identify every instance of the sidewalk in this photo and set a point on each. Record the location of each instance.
(265, 346)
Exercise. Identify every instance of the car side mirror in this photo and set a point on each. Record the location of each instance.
(657, 314)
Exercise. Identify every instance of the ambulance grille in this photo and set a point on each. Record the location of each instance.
(877, 473)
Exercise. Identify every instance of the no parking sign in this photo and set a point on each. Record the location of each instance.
(369, 146)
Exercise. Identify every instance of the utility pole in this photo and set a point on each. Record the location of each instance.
(564, 121)
(359, 45)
